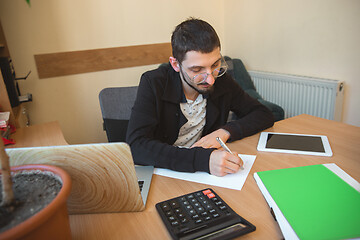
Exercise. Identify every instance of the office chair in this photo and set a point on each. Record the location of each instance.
(116, 104)
(238, 71)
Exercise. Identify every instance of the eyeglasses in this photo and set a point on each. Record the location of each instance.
(217, 72)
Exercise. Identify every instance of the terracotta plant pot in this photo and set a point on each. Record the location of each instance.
(52, 222)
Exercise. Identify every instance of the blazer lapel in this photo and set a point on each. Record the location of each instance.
(212, 113)
(212, 108)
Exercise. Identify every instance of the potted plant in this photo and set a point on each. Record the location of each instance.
(48, 219)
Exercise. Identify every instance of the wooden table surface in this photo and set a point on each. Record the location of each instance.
(249, 202)
(47, 134)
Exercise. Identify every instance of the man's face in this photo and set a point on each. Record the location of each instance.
(197, 69)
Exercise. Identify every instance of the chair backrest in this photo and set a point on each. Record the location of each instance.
(238, 71)
(116, 104)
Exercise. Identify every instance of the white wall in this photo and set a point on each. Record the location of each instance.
(50, 26)
(304, 37)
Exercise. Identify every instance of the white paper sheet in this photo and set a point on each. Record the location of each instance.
(233, 181)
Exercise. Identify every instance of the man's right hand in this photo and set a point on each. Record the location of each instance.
(222, 162)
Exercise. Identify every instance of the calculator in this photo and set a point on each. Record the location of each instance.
(202, 215)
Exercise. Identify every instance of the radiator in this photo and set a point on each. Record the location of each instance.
(297, 94)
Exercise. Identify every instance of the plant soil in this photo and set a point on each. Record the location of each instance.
(33, 191)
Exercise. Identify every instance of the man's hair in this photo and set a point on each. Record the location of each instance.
(193, 35)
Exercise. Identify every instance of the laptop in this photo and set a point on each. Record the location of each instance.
(104, 177)
(144, 175)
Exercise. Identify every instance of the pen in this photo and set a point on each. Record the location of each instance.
(223, 145)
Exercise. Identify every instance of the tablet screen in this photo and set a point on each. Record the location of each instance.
(294, 142)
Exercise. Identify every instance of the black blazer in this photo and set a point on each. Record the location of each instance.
(156, 119)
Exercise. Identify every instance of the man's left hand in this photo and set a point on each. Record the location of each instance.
(209, 141)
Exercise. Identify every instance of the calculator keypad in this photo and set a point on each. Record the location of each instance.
(196, 213)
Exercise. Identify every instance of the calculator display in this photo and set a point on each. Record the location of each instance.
(223, 232)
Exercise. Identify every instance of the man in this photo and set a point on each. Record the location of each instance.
(181, 108)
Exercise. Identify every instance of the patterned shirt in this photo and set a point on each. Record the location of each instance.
(195, 112)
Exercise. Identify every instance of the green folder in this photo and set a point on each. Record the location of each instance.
(315, 201)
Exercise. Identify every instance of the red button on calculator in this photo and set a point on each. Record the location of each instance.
(206, 192)
(211, 195)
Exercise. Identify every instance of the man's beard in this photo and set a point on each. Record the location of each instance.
(208, 90)
(201, 91)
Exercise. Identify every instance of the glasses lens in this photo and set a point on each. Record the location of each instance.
(218, 72)
(200, 77)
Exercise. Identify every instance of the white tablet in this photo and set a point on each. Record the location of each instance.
(294, 143)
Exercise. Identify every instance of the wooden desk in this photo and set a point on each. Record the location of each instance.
(47, 134)
(249, 202)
